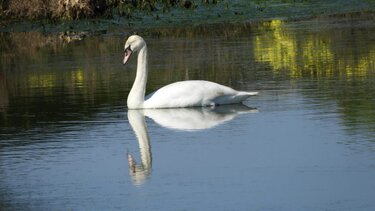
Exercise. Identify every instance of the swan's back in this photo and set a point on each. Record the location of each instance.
(194, 93)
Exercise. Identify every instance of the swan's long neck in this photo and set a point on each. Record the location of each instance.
(137, 93)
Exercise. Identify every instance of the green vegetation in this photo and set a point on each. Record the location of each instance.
(78, 9)
(98, 15)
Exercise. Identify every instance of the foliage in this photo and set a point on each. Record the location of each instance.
(77, 9)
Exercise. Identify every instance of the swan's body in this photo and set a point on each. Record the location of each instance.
(193, 93)
(176, 95)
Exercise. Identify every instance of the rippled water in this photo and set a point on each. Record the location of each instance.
(307, 142)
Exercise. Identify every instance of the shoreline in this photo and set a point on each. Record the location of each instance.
(212, 15)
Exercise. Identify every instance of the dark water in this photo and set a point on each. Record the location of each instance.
(307, 143)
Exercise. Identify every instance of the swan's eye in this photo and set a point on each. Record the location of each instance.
(128, 48)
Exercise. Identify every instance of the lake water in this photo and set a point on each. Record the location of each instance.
(307, 142)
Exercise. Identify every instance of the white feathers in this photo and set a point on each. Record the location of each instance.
(178, 94)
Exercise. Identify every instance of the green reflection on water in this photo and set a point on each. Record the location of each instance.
(43, 78)
(47, 78)
(316, 54)
(340, 60)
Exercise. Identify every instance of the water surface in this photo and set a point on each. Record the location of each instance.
(305, 143)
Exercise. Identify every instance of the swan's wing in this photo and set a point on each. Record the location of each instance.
(193, 93)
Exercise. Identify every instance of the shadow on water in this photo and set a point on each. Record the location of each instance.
(186, 119)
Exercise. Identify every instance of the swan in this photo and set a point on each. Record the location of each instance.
(191, 93)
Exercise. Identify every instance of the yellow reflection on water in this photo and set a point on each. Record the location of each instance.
(361, 67)
(317, 57)
(309, 54)
(277, 48)
(42, 81)
(78, 78)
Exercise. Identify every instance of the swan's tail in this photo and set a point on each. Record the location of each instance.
(252, 93)
(241, 96)
(248, 93)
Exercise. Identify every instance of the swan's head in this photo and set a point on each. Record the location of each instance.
(133, 44)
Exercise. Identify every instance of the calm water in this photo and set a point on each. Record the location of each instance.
(307, 142)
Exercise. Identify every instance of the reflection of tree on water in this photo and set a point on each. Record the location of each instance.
(341, 62)
(346, 52)
(4, 100)
(43, 71)
(181, 119)
(50, 80)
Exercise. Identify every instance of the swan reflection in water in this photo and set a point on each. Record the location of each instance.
(187, 119)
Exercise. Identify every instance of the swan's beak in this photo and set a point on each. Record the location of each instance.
(127, 53)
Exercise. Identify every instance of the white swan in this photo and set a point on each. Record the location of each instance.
(176, 95)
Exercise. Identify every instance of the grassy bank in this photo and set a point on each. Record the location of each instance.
(99, 15)
(79, 9)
